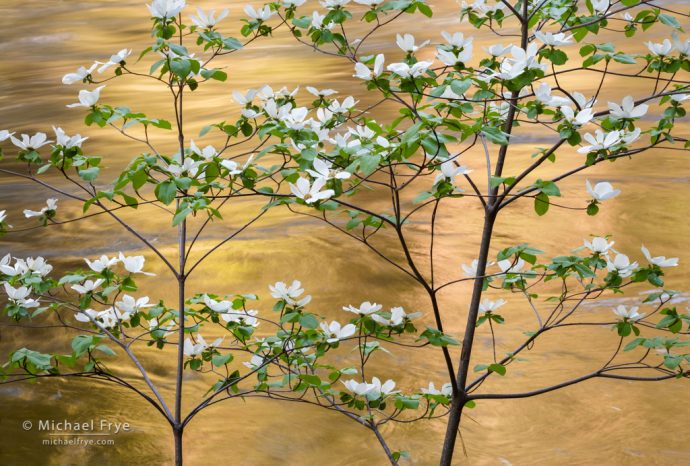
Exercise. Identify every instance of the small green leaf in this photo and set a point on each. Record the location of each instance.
(541, 203)
(221, 359)
(166, 191)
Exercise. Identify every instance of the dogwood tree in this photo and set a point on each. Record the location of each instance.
(318, 154)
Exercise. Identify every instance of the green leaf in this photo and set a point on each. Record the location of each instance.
(424, 9)
(43, 169)
(634, 344)
(541, 203)
(495, 135)
(368, 164)
(166, 191)
(460, 86)
(498, 181)
(39, 360)
(308, 321)
(89, 174)
(624, 58)
(669, 20)
(180, 216)
(232, 43)
(106, 350)
(437, 338)
(311, 379)
(403, 402)
(82, 343)
(181, 67)
(304, 22)
(221, 359)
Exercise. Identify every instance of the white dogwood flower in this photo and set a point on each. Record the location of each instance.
(621, 264)
(87, 98)
(371, 3)
(134, 264)
(527, 58)
(507, 71)
(628, 109)
(194, 349)
(29, 143)
(115, 59)
(87, 315)
(600, 141)
(628, 314)
(88, 286)
(406, 71)
(133, 305)
(358, 388)
(290, 293)
(320, 92)
(208, 20)
(488, 305)
(324, 169)
(261, 14)
(364, 309)
(335, 332)
(51, 206)
(207, 153)
(381, 389)
(102, 263)
(599, 245)
(337, 107)
(244, 99)
(406, 42)
(255, 362)
(662, 49)
(498, 50)
(16, 294)
(683, 47)
(332, 4)
(449, 170)
(217, 306)
(311, 192)
(79, 75)
(581, 118)
(601, 191)
(166, 8)
(61, 139)
(471, 269)
(398, 317)
(600, 6)
(446, 389)
(510, 266)
(362, 71)
(661, 261)
(451, 59)
(457, 39)
(543, 95)
(554, 39)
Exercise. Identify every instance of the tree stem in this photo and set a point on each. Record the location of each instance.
(460, 397)
(177, 434)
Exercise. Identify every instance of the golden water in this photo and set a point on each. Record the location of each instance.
(597, 422)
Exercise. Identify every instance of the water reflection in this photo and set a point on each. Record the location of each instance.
(593, 423)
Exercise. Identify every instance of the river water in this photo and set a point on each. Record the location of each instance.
(596, 422)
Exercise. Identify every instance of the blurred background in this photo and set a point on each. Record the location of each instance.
(596, 422)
